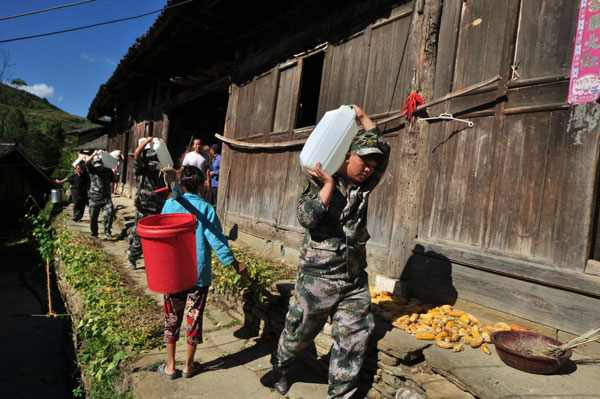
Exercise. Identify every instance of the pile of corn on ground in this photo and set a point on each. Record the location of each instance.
(448, 327)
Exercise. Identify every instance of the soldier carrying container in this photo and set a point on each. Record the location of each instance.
(332, 280)
(145, 163)
(99, 194)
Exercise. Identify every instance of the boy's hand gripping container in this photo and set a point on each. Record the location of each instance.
(159, 145)
(330, 141)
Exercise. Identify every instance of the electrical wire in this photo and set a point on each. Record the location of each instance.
(45, 10)
(94, 25)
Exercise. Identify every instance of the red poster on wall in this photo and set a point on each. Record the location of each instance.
(585, 68)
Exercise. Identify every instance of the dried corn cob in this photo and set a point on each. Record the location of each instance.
(429, 336)
(443, 344)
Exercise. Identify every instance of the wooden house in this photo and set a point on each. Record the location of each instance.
(23, 185)
(503, 213)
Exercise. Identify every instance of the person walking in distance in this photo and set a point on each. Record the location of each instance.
(145, 163)
(332, 281)
(209, 238)
(79, 183)
(197, 158)
(213, 175)
(99, 194)
(117, 171)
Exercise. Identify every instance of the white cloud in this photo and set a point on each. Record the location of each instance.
(108, 61)
(87, 57)
(40, 89)
(60, 98)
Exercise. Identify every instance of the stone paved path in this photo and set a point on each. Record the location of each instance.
(233, 367)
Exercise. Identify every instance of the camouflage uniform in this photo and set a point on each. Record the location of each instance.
(99, 198)
(146, 203)
(332, 280)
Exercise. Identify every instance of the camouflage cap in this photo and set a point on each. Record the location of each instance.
(366, 143)
(97, 162)
(150, 157)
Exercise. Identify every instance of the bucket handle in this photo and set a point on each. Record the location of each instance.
(200, 218)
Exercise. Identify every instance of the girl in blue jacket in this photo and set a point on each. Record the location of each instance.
(209, 235)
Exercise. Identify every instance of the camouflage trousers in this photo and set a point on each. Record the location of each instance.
(107, 214)
(135, 244)
(349, 305)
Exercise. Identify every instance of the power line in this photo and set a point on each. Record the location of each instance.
(44, 10)
(94, 25)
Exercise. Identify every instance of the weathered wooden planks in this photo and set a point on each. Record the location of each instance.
(512, 196)
(542, 48)
(439, 278)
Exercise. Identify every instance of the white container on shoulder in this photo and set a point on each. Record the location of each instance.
(107, 159)
(115, 153)
(330, 141)
(159, 145)
(78, 160)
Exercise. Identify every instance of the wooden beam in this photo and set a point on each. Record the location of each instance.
(522, 269)
(146, 76)
(193, 93)
(288, 144)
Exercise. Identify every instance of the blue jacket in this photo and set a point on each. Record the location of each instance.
(215, 168)
(209, 234)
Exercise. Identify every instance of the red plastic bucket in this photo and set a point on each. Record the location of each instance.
(169, 246)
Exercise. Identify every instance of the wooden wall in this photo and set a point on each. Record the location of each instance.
(259, 189)
(503, 213)
(508, 205)
(20, 180)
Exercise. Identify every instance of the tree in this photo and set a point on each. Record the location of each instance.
(15, 126)
(4, 64)
(18, 83)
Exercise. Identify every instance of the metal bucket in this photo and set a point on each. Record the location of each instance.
(56, 196)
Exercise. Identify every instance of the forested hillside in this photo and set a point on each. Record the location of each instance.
(37, 127)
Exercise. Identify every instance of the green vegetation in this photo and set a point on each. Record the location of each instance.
(118, 320)
(115, 320)
(38, 128)
(38, 224)
(261, 274)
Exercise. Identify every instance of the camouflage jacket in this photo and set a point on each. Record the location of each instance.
(99, 190)
(148, 181)
(335, 243)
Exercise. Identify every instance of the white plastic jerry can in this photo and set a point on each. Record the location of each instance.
(159, 145)
(330, 140)
(164, 158)
(107, 159)
(80, 159)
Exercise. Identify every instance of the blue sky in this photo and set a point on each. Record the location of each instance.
(68, 68)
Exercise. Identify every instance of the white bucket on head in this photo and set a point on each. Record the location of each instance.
(78, 160)
(159, 145)
(330, 140)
